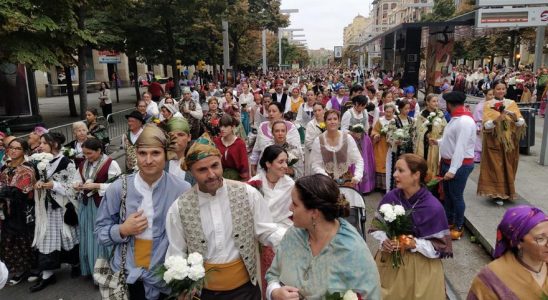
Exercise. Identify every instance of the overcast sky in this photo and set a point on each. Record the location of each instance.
(323, 21)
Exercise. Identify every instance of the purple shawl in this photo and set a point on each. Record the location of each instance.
(428, 215)
(515, 224)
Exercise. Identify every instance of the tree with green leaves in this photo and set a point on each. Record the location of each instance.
(442, 10)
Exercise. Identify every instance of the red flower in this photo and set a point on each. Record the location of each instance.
(215, 122)
(499, 236)
(500, 107)
(256, 184)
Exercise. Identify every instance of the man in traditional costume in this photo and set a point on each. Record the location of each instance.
(179, 136)
(233, 217)
(135, 123)
(457, 159)
(192, 111)
(150, 193)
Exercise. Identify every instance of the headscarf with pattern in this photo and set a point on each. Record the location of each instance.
(152, 136)
(203, 147)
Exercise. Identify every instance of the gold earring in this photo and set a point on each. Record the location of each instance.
(313, 223)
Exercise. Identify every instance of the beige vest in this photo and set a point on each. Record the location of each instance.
(243, 230)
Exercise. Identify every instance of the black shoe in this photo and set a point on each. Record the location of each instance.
(18, 278)
(75, 271)
(43, 283)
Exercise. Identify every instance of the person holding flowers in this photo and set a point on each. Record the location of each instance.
(212, 117)
(519, 270)
(334, 152)
(380, 144)
(95, 171)
(223, 220)
(503, 128)
(429, 124)
(419, 246)
(56, 230)
(355, 122)
(400, 139)
(233, 150)
(148, 196)
(295, 164)
(322, 253)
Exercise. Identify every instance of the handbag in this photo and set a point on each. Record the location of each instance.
(71, 217)
(113, 285)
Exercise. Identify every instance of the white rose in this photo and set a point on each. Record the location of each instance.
(350, 295)
(36, 156)
(437, 123)
(196, 273)
(399, 210)
(195, 259)
(47, 156)
(390, 217)
(432, 114)
(385, 208)
(174, 261)
(168, 275)
(42, 166)
(180, 272)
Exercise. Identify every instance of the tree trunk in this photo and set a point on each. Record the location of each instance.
(132, 65)
(82, 65)
(170, 41)
(70, 92)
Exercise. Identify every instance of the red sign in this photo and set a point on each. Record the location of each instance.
(108, 53)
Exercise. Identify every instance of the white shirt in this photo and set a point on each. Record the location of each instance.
(3, 275)
(329, 105)
(217, 225)
(347, 116)
(197, 113)
(246, 99)
(458, 141)
(423, 246)
(304, 108)
(113, 171)
(147, 206)
(353, 155)
(278, 198)
(134, 136)
(152, 109)
(175, 169)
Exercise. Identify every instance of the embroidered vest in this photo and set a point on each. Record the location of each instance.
(101, 176)
(131, 153)
(194, 123)
(242, 224)
(336, 163)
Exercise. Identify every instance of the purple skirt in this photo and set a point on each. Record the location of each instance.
(368, 180)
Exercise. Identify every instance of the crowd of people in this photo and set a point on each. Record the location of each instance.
(259, 165)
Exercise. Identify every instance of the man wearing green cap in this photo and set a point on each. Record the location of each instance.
(179, 136)
(233, 217)
(149, 194)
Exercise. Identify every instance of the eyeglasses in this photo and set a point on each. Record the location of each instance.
(15, 148)
(541, 241)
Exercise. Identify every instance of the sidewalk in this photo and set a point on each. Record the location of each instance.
(54, 110)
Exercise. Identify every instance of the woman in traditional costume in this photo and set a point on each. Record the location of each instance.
(355, 117)
(429, 124)
(409, 95)
(519, 270)
(295, 160)
(296, 102)
(264, 134)
(95, 171)
(387, 97)
(399, 146)
(275, 186)
(503, 128)
(420, 276)
(56, 230)
(212, 117)
(335, 152)
(80, 133)
(322, 253)
(478, 117)
(233, 150)
(313, 129)
(95, 129)
(17, 179)
(380, 144)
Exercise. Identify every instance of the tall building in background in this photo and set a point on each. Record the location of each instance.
(379, 14)
(354, 33)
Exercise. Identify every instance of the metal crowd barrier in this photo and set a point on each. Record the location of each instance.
(116, 123)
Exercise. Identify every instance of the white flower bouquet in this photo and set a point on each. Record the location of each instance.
(291, 159)
(183, 276)
(396, 222)
(434, 119)
(41, 161)
(398, 136)
(68, 152)
(357, 128)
